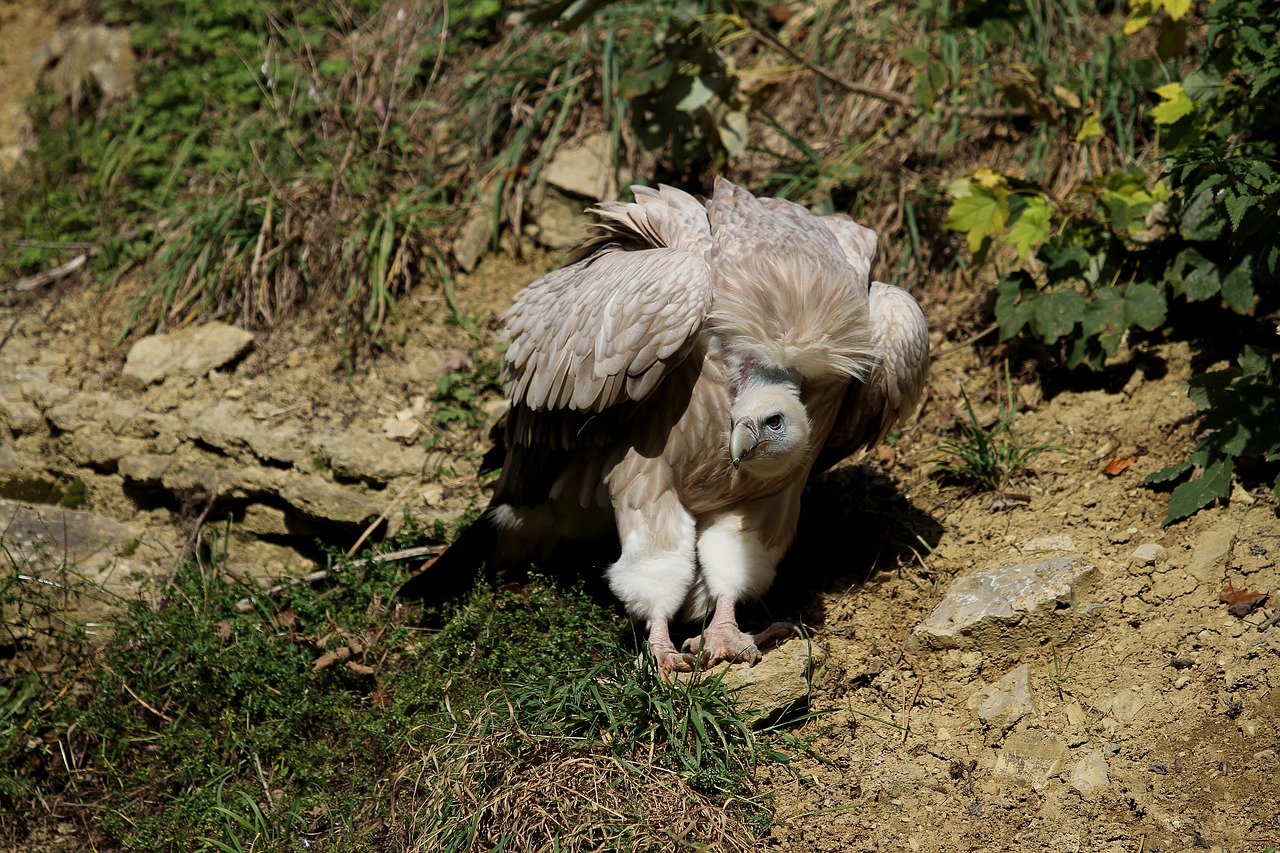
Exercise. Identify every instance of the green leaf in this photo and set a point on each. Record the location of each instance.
(1013, 310)
(1190, 497)
(1175, 103)
(1238, 205)
(1054, 315)
(1031, 226)
(1169, 473)
(1237, 287)
(1144, 305)
(1200, 218)
(1254, 361)
(979, 214)
(1193, 276)
(697, 95)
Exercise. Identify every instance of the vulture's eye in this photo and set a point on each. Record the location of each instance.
(774, 422)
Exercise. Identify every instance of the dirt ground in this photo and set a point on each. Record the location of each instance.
(1156, 713)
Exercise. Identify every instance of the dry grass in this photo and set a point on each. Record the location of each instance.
(489, 785)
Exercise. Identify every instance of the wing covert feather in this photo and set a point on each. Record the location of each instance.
(605, 330)
(891, 392)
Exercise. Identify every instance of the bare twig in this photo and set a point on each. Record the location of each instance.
(888, 96)
(41, 279)
(245, 604)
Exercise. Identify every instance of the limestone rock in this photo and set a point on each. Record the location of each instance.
(1090, 774)
(80, 59)
(144, 469)
(1148, 553)
(472, 241)
(106, 553)
(223, 426)
(371, 458)
(562, 220)
(1210, 555)
(779, 684)
(18, 414)
(192, 351)
(403, 430)
(1031, 758)
(582, 169)
(237, 482)
(1007, 608)
(1058, 542)
(319, 499)
(1003, 704)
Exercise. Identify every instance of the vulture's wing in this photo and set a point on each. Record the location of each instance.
(892, 390)
(604, 331)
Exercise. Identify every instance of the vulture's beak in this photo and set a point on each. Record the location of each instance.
(742, 440)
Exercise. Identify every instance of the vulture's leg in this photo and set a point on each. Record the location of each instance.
(738, 551)
(654, 573)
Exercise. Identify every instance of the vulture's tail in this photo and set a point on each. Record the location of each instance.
(454, 572)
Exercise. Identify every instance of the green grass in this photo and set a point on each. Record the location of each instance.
(989, 459)
(315, 716)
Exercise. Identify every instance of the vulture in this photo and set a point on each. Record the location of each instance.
(677, 382)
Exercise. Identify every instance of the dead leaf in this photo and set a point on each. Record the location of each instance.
(1119, 465)
(380, 695)
(224, 630)
(359, 668)
(1241, 602)
(328, 659)
(286, 618)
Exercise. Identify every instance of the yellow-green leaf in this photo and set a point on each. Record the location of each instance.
(1174, 104)
(1031, 228)
(1140, 13)
(1176, 8)
(1089, 128)
(979, 214)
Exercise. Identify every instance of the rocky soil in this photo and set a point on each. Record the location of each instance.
(1042, 669)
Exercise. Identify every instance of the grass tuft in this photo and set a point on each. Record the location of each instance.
(989, 459)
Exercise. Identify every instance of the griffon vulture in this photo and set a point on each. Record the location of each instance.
(680, 379)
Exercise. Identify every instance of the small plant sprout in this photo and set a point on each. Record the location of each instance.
(989, 459)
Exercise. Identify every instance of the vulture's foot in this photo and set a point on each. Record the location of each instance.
(725, 642)
(669, 658)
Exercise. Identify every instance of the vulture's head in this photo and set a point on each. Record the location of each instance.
(769, 429)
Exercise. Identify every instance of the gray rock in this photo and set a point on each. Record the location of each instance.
(109, 555)
(80, 59)
(78, 410)
(1004, 609)
(779, 684)
(315, 497)
(193, 351)
(19, 415)
(10, 460)
(403, 430)
(101, 450)
(223, 426)
(144, 469)
(371, 458)
(472, 241)
(1209, 556)
(1125, 705)
(1090, 774)
(1148, 553)
(1031, 758)
(263, 520)
(582, 169)
(1003, 704)
(562, 220)
(239, 482)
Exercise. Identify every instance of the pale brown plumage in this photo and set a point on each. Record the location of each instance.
(680, 379)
